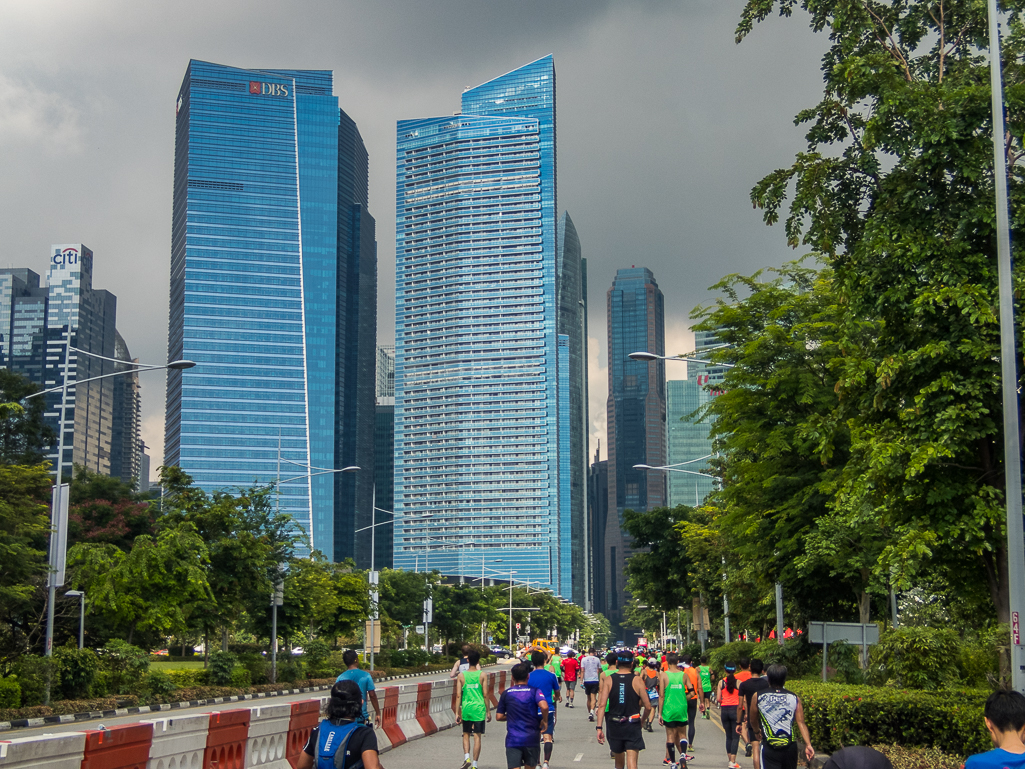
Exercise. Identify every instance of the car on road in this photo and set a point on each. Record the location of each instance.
(501, 652)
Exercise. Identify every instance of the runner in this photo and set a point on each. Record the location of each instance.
(674, 688)
(777, 710)
(590, 667)
(462, 664)
(365, 682)
(1004, 716)
(474, 710)
(693, 697)
(749, 729)
(555, 666)
(525, 710)
(744, 674)
(546, 682)
(706, 686)
(624, 695)
(728, 695)
(570, 674)
(341, 730)
(650, 678)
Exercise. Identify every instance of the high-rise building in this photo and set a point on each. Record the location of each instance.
(125, 455)
(273, 294)
(384, 457)
(598, 515)
(573, 418)
(689, 441)
(636, 417)
(101, 420)
(477, 470)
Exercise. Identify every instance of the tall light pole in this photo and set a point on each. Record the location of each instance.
(58, 535)
(81, 614)
(1008, 364)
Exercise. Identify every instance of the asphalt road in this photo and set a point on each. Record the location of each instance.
(79, 726)
(575, 746)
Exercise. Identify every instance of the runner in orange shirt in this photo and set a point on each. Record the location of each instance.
(693, 697)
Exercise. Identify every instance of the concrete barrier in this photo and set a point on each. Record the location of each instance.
(269, 736)
(120, 747)
(48, 751)
(178, 742)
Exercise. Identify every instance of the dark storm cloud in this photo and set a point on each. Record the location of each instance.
(663, 127)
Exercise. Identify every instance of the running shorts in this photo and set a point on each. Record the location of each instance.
(591, 687)
(473, 727)
(571, 686)
(524, 755)
(675, 724)
(624, 737)
(779, 758)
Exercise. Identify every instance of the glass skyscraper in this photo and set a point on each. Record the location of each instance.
(273, 294)
(102, 419)
(689, 441)
(636, 417)
(477, 440)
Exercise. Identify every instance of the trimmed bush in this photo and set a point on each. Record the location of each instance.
(159, 683)
(919, 758)
(77, 671)
(918, 657)
(240, 677)
(31, 673)
(221, 666)
(731, 652)
(10, 693)
(126, 664)
(190, 677)
(839, 715)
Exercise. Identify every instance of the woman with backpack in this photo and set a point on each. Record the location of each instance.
(341, 741)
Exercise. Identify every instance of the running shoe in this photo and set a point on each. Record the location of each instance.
(667, 762)
(544, 765)
(682, 764)
(466, 765)
(689, 757)
(748, 749)
(590, 716)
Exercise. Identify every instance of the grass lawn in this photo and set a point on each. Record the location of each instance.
(165, 666)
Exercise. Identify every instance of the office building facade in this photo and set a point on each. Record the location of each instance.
(384, 454)
(477, 442)
(689, 441)
(273, 294)
(101, 419)
(598, 515)
(636, 413)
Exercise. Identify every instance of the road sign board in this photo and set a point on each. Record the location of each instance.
(420, 629)
(373, 630)
(852, 632)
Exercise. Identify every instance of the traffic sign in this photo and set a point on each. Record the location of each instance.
(420, 629)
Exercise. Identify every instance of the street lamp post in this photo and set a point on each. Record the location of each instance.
(58, 538)
(1008, 364)
(81, 615)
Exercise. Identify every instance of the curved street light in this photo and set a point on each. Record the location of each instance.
(648, 357)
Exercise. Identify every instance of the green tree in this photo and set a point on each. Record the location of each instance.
(459, 611)
(24, 533)
(24, 435)
(782, 442)
(156, 586)
(107, 510)
(658, 572)
(402, 595)
(895, 193)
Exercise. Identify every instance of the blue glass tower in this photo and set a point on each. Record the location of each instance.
(273, 294)
(476, 336)
(689, 441)
(636, 417)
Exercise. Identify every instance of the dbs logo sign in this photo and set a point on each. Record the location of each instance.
(267, 89)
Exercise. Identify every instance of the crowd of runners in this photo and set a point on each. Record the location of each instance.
(626, 694)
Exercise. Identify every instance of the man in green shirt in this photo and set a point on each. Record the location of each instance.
(673, 689)
(706, 685)
(555, 666)
(473, 709)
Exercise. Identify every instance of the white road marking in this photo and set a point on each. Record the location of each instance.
(579, 757)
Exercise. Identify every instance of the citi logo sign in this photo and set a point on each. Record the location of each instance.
(267, 89)
(64, 256)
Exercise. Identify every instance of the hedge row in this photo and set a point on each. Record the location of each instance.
(839, 715)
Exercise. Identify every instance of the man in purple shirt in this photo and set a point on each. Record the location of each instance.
(548, 683)
(525, 710)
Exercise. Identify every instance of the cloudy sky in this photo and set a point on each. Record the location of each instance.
(664, 125)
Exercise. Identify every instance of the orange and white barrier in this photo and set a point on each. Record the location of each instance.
(270, 736)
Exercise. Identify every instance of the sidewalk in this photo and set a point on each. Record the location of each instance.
(575, 746)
